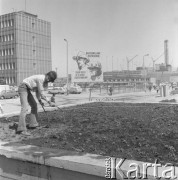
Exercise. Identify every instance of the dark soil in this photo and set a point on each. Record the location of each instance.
(143, 132)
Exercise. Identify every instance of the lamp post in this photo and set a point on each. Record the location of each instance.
(144, 71)
(67, 63)
(112, 63)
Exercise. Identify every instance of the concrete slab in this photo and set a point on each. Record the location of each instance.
(32, 162)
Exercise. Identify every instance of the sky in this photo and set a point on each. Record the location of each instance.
(119, 29)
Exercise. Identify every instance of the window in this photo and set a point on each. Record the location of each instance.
(13, 65)
(8, 37)
(5, 24)
(34, 65)
(5, 52)
(2, 25)
(5, 38)
(9, 81)
(10, 67)
(11, 22)
(12, 37)
(12, 51)
(33, 38)
(33, 24)
(13, 80)
(34, 51)
(9, 51)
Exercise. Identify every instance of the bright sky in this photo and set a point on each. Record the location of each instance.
(118, 28)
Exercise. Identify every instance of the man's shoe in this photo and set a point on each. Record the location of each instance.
(13, 126)
(25, 133)
(33, 127)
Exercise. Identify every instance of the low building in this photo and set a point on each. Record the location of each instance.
(174, 78)
(126, 77)
(160, 76)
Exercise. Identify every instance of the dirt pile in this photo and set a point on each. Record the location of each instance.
(142, 132)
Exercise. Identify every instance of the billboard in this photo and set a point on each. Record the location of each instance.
(88, 67)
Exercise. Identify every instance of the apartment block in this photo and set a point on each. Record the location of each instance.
(25, 47)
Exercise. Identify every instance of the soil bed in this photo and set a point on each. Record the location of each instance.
(143, 132)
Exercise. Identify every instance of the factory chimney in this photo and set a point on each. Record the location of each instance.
(166, 55)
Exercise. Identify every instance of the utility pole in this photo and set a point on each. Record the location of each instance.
(106, 63)
(67, 64)
(112, 63)
(144, 71)
(118, 63)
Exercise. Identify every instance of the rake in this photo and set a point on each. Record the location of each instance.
(46, 126)
(62, 112)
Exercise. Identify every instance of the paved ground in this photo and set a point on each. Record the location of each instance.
(13, 105)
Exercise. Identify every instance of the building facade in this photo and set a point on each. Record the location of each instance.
(126, 77)
(25, 46)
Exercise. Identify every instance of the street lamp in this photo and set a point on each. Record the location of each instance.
(112, 63)
(67, 63)
(144, 71)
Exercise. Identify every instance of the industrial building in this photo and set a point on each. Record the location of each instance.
(125, 77)
(25, 46)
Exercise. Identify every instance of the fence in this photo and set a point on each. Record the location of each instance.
(116, 89)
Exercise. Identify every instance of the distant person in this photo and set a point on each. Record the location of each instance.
(157, 89)
(1, 109)
(37, 84)
(150, 88)
(110, 90)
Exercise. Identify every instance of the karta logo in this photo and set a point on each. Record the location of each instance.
(125, 169)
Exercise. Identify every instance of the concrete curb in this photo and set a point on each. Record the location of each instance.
(66, 160)
(93, 166)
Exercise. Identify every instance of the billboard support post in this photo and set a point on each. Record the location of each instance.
(90, 89)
